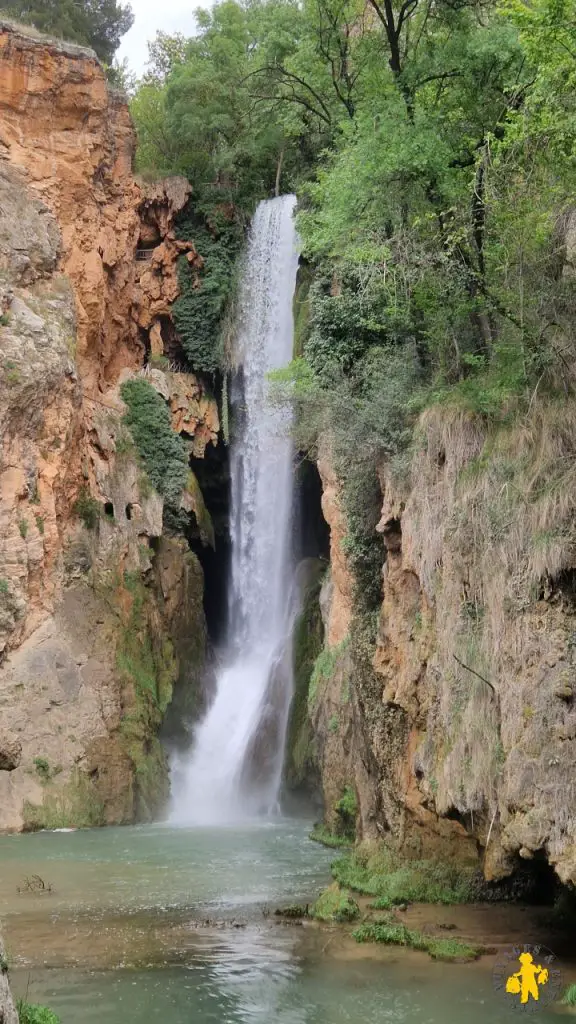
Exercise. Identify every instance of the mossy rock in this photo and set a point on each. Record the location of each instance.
(308, 640)
(335, 904)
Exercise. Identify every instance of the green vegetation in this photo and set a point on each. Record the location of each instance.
(162, 451)
(3, 964)
(42, 768)
(323, 835)
(307, 643)
(30, 1014)
(347, 808)
(4, 585)
(4, 319)
(199, 310)
(569, 996)
(96, 23)
(335, 904)
(75, 805)
(377, 872)
(393, 933)
(40, 524)
(432, 151)
(23, 528)
(324, 668)
(87, 509)
(146, 664)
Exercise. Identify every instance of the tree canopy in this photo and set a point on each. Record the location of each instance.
(99, 24)
(432, 147)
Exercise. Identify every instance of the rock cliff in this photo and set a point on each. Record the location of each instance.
(456, 729)
(91, 637)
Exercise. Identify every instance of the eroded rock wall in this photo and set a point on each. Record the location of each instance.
(459, 737)
(91, 636)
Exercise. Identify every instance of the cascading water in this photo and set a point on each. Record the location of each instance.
(234, 769)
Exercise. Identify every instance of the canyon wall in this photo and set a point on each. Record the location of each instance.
(96, 602)
(457, 729)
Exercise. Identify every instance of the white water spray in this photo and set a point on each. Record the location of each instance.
(234, 769)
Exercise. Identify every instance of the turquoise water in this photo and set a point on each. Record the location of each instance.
(172, 925)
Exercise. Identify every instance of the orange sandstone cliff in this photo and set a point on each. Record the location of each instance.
(90, 603)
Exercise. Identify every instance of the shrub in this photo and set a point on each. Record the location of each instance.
(42, 768)
(23, 528)
(198, 312)
(162, 451)
(347, 808)
(87, 509)
(4, 585)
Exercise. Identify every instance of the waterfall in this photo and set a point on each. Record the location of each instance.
(235, 765)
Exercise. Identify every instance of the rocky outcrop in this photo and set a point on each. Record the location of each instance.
(87, 666)
(8, 1013)
(459, 734)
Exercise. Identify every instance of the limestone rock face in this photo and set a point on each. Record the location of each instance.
(459, 737)
(77, 152)
(86, 663)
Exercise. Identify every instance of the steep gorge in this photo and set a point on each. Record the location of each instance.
(452, 724)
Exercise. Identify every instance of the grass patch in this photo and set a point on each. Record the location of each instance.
(392, 933)
(28, 1013)
(321, 834)
(378, 873)
(569, 996)
(335, 904)
(75, 806)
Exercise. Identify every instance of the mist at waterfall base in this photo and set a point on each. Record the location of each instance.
(234, 767)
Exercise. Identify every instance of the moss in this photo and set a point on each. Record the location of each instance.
(324, 669)
(76, 805)
(393, 933)
(323, 835)
(307, 644)
(147, 666)
(203, 517)
(189, 637)
(301, 308)
(335, 904)
(377, 872)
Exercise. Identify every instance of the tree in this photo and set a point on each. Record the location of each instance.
(99, 24)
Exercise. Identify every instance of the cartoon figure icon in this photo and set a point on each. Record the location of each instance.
(525, 982)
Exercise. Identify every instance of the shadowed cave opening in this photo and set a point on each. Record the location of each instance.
(311, 533)
(213, 475)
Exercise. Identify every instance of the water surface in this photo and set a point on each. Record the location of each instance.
(155, 923)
